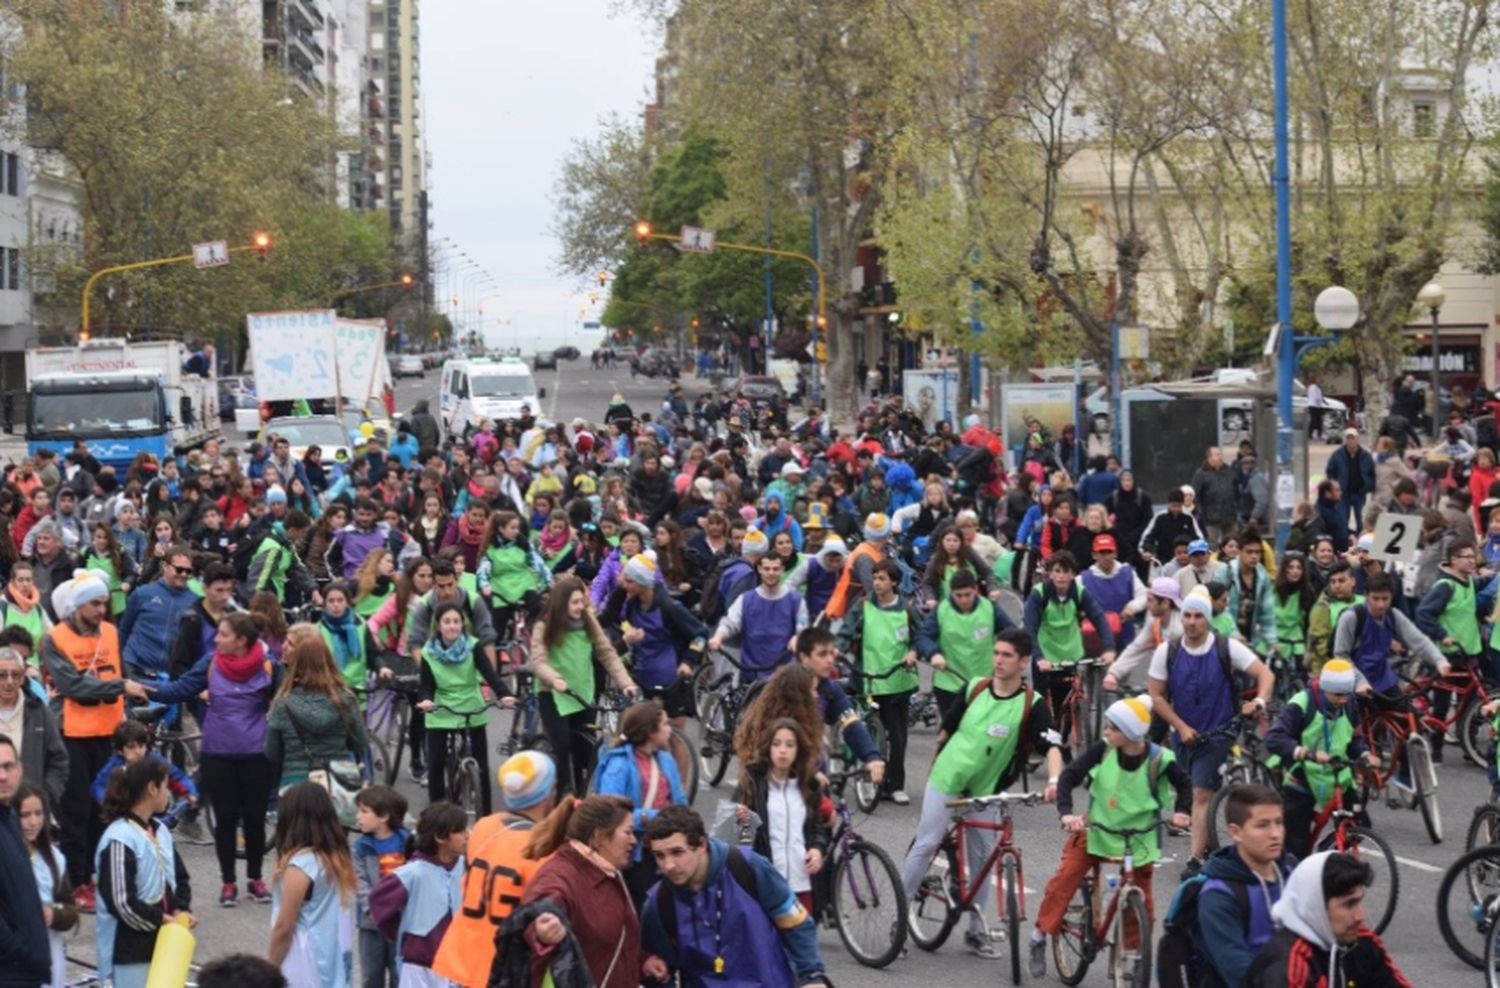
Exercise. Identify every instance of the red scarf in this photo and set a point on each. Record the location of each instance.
(239, 668)
(467, 535)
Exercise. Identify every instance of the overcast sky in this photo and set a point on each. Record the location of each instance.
(508, 86)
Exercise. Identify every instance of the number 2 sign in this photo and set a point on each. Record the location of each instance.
(1396, 537)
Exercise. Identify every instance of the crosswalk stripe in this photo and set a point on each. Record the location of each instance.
(1419, 865)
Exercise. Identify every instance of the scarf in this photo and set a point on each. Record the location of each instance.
(554, 544)
(24, 601)
(594, 858)
(467, 535)
(239, 668)
(461, 650)
(345, 633)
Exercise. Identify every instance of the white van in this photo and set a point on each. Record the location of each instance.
(474, 389)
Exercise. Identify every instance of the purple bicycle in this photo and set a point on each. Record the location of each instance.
(865, 903)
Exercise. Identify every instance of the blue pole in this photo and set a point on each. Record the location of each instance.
(1287, 354)
(1114, 385)
(976, 326)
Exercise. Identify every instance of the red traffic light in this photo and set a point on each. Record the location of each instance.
(262, 242)
(643, 231)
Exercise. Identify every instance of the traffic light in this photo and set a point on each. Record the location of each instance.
(643, 231)
(262, 244)
(406, 281)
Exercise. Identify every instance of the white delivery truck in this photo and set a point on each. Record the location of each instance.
(120, 398)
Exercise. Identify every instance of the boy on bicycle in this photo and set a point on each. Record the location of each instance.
(881, 632)
(985, 740)
(1318, 724)
(1130, 782)
(1055, 610)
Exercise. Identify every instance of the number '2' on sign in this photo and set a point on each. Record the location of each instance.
(1396, 537)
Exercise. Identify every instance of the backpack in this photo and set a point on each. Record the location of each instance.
(666, 909)
(244, 552)
(713, 607)
(1226, 665)
(1180, 957)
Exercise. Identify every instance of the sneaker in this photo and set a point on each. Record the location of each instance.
(229, 895)
(979, 944)
(419, 775)
(83, 897)
(256, 891)
(1037, 959)
(900, 798)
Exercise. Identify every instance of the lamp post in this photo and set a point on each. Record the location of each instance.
(1433, 296)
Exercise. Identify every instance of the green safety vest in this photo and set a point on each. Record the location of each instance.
(1060, 636)
(103, 566)
(1322, 733)
(975, 758)
(947, 580)
(1223, 623)
(967, 642)
(1459, 619)
(1337, 607)
(574, 661)
(510, 573)
(31, 620)
(885, 640)
(1124, 800)
(1291, 630)
(366, 606)
(457, 687)
(469, 582)
(356, 670)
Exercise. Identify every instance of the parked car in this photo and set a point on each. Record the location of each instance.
(566, 353)
(764, 394)
(229, 389)
(408, 365)
(544, 361)
(324, 431)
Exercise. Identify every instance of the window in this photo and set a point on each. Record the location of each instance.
(10, 278)
(377, 43)
(1423, 118)
(10, 176)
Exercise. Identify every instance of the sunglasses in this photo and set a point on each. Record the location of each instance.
(177, 569)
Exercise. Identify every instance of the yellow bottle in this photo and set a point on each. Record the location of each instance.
(170, 960)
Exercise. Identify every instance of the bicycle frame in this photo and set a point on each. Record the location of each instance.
(1004, 849)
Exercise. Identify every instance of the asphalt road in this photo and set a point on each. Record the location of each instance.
(1413, 937)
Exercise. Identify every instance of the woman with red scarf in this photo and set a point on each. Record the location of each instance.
(236, 775)
(467, 532)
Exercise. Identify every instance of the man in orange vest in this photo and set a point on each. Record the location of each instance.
(497, 873)
(81, 654)
(860, 567)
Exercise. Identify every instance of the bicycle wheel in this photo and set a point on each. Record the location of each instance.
(468, 787)
(1010, 886)
(868, 904)
(687, 764)
(932, 911)
(867, 793)
(1130, 954)
(718, 741)
(1476, 732)
(1484, 827)
(705, 679)
(1424, 782)
(381, 768)
(1370, 847)
(1492, 957)
(1218, 825)
(1073, 945)
(1467, 897)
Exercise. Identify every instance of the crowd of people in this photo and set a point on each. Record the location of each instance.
(267, 599)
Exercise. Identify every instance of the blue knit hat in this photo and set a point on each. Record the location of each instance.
(526, 779)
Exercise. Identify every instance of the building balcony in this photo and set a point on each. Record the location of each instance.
(307, 13)
(302, 48)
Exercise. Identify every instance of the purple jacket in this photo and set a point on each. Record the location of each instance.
(605, 580)
(349, 547)
(234, 723)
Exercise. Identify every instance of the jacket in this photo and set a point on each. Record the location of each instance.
(1164, 529)
(1334, 516)
(150, 622)
(1226, 938)
(424, 426)
(604, 653)
(618, 775)
(330, 734)
(603, 920)
(235, 720)
(512, 965)
(25, 961)
(1355, 474)
(1216, 494)
(815, 833)
(44, 756)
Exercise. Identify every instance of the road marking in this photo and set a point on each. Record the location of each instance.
(1419, 865)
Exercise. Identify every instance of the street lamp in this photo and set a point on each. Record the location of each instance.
(1433, 296)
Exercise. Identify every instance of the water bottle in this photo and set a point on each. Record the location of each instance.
(1112, 882)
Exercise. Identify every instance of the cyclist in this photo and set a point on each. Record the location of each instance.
(818, 574)
(497, 870)
(664, 637)
(1322, 938)
(1055, 610)
(858, 579)
(734, 575)
(1337, 597)
(1319, 723)
(445, 590)
(1117, 588)
(1195, 688)
(1241, 885)
(817, 653)
(1162, 602)
(1130, 782)
(986, 738)
(1449, 615)
(880, 632)
(765, 619)
(275, 561)
(1365, 636)
(512, 575)
(958, 638)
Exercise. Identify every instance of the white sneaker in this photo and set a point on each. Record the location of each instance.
(900, 798)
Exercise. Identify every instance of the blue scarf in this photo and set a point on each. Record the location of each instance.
(345, 634)
(462, 649)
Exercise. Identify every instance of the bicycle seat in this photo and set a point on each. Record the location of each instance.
(147, 713)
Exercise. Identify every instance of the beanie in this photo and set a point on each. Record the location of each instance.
(526, 779)
(641, 570)
(1131, 715)
(833, 546)
(1337, 676)
(276, 495)
(1198, 602)
(755, 544)
(87, 586)
(877, 526)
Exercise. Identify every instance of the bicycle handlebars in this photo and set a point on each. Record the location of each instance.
(1003, 799)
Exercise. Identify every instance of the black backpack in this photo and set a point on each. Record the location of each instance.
(1181, 960)
(1221, 649)
(666, 909)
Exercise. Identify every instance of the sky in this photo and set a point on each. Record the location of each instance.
(507, 88)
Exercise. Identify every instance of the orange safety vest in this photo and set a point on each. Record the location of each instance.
(97, 656)
(839, 602)
(497, 875)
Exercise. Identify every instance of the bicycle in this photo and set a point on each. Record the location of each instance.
(723, 699)
(1124, 916)
(462, 783)
(387, 718)
(1468, 902)
(1352, 837)
(867, 793)
(180, 748)
(1081, 706)
(946, 891)
(1484, 826)
(1245, 764)
(606, 710)
(1396, 736)
(866, 886)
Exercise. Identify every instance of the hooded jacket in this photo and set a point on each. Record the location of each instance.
(424, 425)
(1235, 937)
(1303, 952)
(149, 624)
(24, 958)
(782, 522)
(905, 489)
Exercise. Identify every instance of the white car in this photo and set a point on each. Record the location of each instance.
(408, 365)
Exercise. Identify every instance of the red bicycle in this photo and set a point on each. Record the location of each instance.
(1350, 835)
(946, 891)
